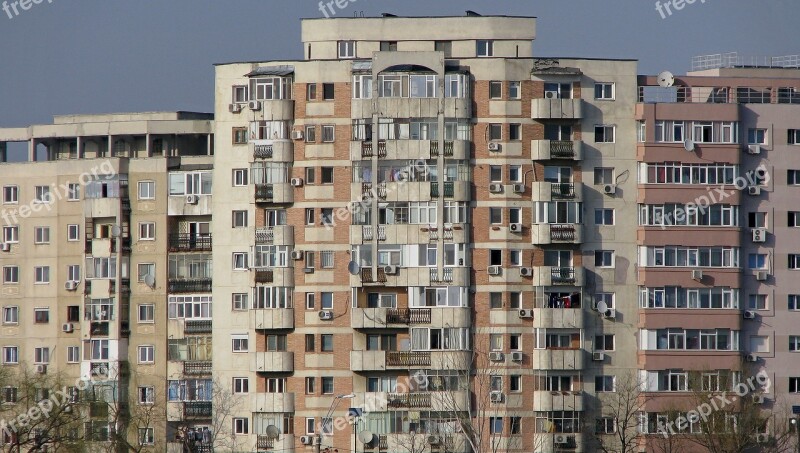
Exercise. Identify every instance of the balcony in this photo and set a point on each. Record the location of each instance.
(274, 150)
(558, 359)
(278, 235)
(189, 205)
(272, 402)
(556, 233)
(272, 362)
(558, 276)
(558, 191)
(277, 276)
(545, 401)
(558, 318)
(99, 329)
(556, 150)
(196, 285)
(196, 326)
(387, 360)
(272, 318)
(274, 193)
(456, 400)
(197, 368)
(377, 318)
(414, 276)
(556, 109)
(185, 242)
(197, 409)
(283, 444)
(276, 109)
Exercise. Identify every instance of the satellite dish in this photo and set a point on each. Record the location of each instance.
(666, 79)
(366, 437)
(273, 432)
(150, 280)
(353, 268)
(116, 231)
(688, 145)
(602, 307)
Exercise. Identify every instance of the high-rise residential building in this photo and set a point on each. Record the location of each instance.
(424, 239)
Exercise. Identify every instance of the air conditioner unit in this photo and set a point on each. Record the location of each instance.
(757, 399)
(754, 190)
(297, 254)
(297, 135)
(41, 369)
(306, 440)
(560, 439)
(71, 285)
(762, 276)
(759, 234)
(519, 188)
(391, 270)
(526, 313)
(525, 272)
(610, 314)
(192, 199)
(610, 189)
(235, 108)
(516, 357)
(494, 146)
(515, 227)
(762, 438)
(754, 149)
(598, 356)
(67, 327)
(308, 270)
(747, 314)
(496, 356)
(496, 397)
(494, 270)
(5, 247)
(296, 182)
(495, 188)
(326, 315)
(551, 94)
(751, 358)
(433, 439)
(255, 105)
(697, 275)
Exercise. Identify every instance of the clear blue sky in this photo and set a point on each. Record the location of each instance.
(86, 56)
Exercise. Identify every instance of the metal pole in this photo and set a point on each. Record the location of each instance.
(318, 443)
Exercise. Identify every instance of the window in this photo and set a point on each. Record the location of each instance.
(310, 342)
(241, 385)
(757, 136)
(73, 192)
(41, 356)
(147, 231)
(794, 385)
(495, 131)
(327, 385)
(42, 194)
(10, 355)
(604, 134)
(239, 94)
(515, 255)
(239, 343)
(604, 383)
(311, 92)
(444, 46)
(310, 301)
(606, 298)
(484, 48)
(347, 49)
(311, 384)
(495, 90)
(515, 384)
(144, 270)
(147, 190)
(276, 343)
(73, 354)
(496, 425)
(239, 219)
(326, 216)
(515, 132)
(147, 313)
(794, 343)
(328, 133)
(147, 354)
(10, 275)
(604, 91)
(10, 194)
(310, 425)
(326, 342)
(604, 342)
(794, 261)
(11, 315)
(604, 258)
(495, 173)
(11, 234)
(794, 137)
(326, 259)
(240, 261)
(604, 216)
(311, 133)
(328, 91)
(757, 220)
(496, 215)
(326, 175)
(190, 183)
(241, 425)
(794, 302)
(514, 301)
(495, 257)
(496, 301)
(146, 395)
(603, 175)
(73, 232)
(239, 177)
(388, 46)
(515, 90)
(41, 235)
(759, 343)
(239, 135)
(240, 301)
(41, 275)
(757, 302)
(641, 131)
(606, 425)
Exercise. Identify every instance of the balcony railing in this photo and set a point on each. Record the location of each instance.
(265, 276)
(196, 368)
(382, 191)
(562, 275)
(562, 232)
(448, 233)
(197, 285)
(408, 400)
(562, 149)
(447, 274)
(448, 149)
(366, 149)
(265, 192)
(265, 442)
(383, 442)
(192, 326)
(99, 329)
(366, 190)
(263, 152)
(381, 149)
(433, 234)
(449, 190)
(408, 316)
(562, 190)
(367, 232)
(381, 232)
(197, 409)
(185, 242)
(408, 358)
(367, 277)
(265, 235)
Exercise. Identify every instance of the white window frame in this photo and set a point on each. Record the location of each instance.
(147, 190)
(73, 232)
(240, 301)
(42, 195)
(146, 313)
(608, 91)
(347, 50)
(11, 314)
(11, 234)
(606, 129)
(13, 194)
(73, 191)
(484, 48)
(41, 235)
(240, 343)
(146, 354)
(147, 231)
(240, 262)
(240, 177)
(41, 275)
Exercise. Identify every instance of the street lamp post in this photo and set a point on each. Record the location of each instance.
(334, 404)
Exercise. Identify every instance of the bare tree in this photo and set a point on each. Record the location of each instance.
(220, 432)
(624, 405)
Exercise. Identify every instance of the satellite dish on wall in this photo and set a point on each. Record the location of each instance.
(366, 437)
(116, 231)
(688, 145)
(150, 280)
(602, 307)
(666, 79)
(353, 268)
(273, 432)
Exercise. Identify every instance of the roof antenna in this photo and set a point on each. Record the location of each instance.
(362, 13)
